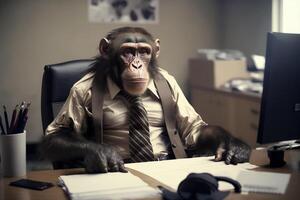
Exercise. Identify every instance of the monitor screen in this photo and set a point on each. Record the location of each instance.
(280, 105)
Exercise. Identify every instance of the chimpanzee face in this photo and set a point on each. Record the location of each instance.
(135, 59)
(134, 52)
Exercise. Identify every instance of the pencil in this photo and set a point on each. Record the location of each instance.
(1, 125)
(6, 118)
(23, 124)
(26, 110)
(24, 118)
(13, 119)
(14, 125)
(19, 118)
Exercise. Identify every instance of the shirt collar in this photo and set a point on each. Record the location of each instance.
(113, 89)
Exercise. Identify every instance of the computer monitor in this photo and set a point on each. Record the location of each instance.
(280, 105)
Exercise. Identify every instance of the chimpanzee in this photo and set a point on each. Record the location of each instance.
(135, 118)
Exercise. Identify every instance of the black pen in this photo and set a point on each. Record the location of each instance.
(6, 118)
(13, 119)
(23, 124)
(14, 125)
(24, 118)
(1, 125)
(19, 118)
(26, 110)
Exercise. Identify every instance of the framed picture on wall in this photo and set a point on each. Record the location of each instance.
(123, 11)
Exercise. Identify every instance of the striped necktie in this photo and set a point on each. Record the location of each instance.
(140, 147)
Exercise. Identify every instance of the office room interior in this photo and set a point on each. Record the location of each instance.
(36, 33)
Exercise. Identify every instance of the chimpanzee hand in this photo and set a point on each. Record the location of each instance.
(214, 140)
(234, 152)
(101, 158)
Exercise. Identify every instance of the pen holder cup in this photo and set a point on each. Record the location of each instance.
(13, 154)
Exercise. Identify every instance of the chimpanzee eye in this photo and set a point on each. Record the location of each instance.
(128, 51)
(144, 50)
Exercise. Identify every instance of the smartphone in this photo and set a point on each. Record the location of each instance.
(31, 184)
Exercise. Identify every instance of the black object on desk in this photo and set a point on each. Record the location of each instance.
(197, 186)
(31, 184)
(276, 158)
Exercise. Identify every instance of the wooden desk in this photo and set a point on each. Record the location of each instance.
(258, 158)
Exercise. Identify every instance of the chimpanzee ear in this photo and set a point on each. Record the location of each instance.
(157, 47)
(104, 46)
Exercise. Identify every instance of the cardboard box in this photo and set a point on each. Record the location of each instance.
(214, 73)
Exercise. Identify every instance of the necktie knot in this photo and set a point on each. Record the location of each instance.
(130, 98)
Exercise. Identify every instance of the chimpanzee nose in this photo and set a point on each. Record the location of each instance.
(136, 66)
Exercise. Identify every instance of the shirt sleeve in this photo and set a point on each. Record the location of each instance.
(72, 115)
(188, 120)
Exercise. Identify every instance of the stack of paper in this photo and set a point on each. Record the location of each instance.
(172, 172)
(265, 182)
(106, 186)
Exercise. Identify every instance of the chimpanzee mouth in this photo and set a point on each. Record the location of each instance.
(137, 80)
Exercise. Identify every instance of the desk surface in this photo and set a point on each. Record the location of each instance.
(258, 158)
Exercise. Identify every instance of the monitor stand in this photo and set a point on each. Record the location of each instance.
(276, 152)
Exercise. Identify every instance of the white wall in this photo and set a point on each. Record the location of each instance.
(244, 25)
(38, 32)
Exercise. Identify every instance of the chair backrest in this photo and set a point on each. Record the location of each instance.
(57, 82)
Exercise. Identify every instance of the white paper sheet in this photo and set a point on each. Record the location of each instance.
(265, 182)
(172, 172)
(106, 186)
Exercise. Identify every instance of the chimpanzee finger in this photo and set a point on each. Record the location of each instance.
(113, 167)
(219, 154)
(101, 165)
(113, 161)
(95, 164)
(90, 169)
(218, 158)
(122, 167)
(234, 160)
(228, 157)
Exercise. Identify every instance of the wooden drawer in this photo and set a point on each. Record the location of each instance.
(213, 107)
(238, 114)
(247, 118)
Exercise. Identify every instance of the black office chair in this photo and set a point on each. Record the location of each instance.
(57, 82)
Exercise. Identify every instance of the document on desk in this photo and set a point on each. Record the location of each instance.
(264, 182)
(172, 172)
(111, 186)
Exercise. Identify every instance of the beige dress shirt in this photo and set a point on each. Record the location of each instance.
(77, 109)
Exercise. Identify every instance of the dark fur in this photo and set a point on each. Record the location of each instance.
(215, 138)
(76, 151)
